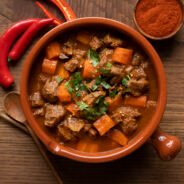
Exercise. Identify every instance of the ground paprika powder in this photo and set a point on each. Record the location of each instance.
(159, 18)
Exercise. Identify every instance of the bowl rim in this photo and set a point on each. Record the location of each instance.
(154, 37)
(99, 157)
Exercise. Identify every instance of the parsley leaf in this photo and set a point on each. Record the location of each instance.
(93, 56)
(59, 79)
(109, 65)
(101, 81)
(125, 81)
(105, 84)
(98, 109)
(75, 84)
(94, 87)
(106, 69)
(68, 86)
(82, 105)
(113, 93)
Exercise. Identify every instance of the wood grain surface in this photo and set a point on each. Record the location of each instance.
(20, 161)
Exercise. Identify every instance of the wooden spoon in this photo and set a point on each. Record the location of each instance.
(12, 107)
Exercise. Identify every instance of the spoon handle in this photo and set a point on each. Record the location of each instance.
(13, 122)
(25, 127)
(43, 151)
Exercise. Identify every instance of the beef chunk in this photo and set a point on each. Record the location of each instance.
(144, 64)
(74, 124)
(71, 128)
(71, 65)
(70, 42)
(125, 114)
(91, 84)
(115, 80)
(105, 56)
(67, 47)
(117, 70)
(49, 90)
(138, 73)
(129, 127)
(112, 41)
(43, 78)
(128, 69)
(79, 53)
(88, 129)
(67, 50)
(39, 112)
(92, 97)
(36, 99)
(53, 114)
(87, 126)
(65, 133)
(92, 132)
(95, 43)
(137, 87)
(137, 59)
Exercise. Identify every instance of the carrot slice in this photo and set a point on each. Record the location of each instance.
(49, 66)
(104, 124)
(118, 136)
(136, 101)
(122, 55)
(61, 71)
(63, 94)
(53, 50)
(114, 102)
(73, 108)
(89, 71)
(84, 37)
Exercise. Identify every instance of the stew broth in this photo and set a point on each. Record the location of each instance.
(90, 45)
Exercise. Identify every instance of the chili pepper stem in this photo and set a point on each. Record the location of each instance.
(9, 60)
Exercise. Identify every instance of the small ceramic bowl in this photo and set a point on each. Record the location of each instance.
(159, 139)
(177, 29)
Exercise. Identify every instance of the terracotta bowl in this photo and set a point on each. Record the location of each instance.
(167, 146)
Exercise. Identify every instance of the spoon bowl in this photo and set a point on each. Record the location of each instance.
(12, 106)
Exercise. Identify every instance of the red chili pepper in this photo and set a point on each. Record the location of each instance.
(27, 37)
(48, 13)
(65, 8)
(6, 41)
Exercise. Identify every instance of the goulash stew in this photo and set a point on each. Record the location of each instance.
(92, 90)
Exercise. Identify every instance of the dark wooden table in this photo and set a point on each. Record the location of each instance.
(20, 161)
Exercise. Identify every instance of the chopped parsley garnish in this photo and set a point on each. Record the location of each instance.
(125, 81)
(92, 113)
(113, 93)
(59, 79)
(105, 84)
(68, 86)
(95, 87)
(93, 56)
(109, 65)
(82, 105)
(100, 82)
(106, 69)
(75, 85)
